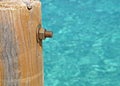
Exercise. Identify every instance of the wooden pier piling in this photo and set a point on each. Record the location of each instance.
(21, 61)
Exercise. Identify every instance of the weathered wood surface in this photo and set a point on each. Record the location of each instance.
(19, 0)
(20, 54)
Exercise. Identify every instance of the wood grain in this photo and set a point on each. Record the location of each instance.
(21, 62)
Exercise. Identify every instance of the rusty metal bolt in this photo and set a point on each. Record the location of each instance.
(48, 34)
(43, 34)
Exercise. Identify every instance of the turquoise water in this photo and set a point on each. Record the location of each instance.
(85, 49)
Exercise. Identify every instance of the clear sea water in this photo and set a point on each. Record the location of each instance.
(85, 49)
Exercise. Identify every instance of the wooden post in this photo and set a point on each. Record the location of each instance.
(21, 61)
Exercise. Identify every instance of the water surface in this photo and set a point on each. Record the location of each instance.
(85, 49)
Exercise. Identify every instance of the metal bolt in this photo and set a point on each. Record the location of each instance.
(43, 34)
(48, 34)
